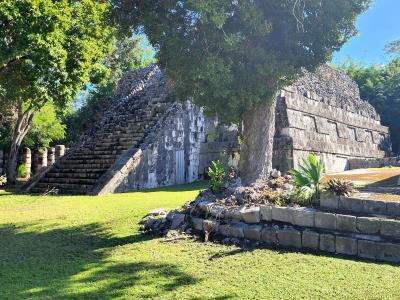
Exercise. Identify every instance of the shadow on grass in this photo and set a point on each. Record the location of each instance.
(283, 250)
(73, 263)
(195, 186)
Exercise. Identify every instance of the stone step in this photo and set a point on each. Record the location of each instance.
(65, 186)
(86, 175)
(312, 219)
(84, 166)
(89, 161)
(92, 156)
(122, 125)
(69, 180)
(37, 190)
(115, 138)
(361, 206)
(117, 145)
(373, 246)
(79, 171)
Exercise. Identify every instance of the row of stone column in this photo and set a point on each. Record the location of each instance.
(40, 159)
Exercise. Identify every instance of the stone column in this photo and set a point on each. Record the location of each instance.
(60, 151)
(40, 160)
(27, 161)
(51, 156)
(1, 162)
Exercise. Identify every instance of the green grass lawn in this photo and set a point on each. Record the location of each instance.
(90, 247)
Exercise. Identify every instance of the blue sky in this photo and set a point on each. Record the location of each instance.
(378, 26)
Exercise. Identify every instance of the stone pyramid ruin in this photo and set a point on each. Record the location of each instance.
(140, 141)
(144, 138)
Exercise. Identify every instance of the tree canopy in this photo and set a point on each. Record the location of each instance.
(49, 49)
(380, 85)
(229, 55)
(46, 127)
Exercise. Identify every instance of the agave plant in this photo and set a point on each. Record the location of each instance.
(341, 187)
(308, 177)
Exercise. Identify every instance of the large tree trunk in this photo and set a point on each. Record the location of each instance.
(22, 126)
(257, 148)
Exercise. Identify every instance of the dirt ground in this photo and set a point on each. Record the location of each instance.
(378, 184)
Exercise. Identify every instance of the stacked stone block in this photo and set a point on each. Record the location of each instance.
(27, 161)
(40, 160)
(323, 113)
(51, 156)
(141, 139)
(365, 236)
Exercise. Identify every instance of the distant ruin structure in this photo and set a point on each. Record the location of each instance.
(145, 138)
(323, 113)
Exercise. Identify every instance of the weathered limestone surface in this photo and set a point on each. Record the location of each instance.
(143, 138)
(376, 238)
(323, 113)
(27, 161)
(40, 160)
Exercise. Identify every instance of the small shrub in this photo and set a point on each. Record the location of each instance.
(301, 195)
(21, 171)
(274, 197)
(341, 187)
(308, 177)
(278, 182)
(217, 176)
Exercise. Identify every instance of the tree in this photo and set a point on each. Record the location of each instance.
(232, 56)
(393, 48)
(48, 50)
(46, 127)
(380, 86)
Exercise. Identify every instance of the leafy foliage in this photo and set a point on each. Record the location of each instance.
(46, 127)
(22, 172)
(271, 196)
(380, 86)
(393, 48)
(233, 55)
(341, 187)
(217, 176)
(308, 177)
(49, 49)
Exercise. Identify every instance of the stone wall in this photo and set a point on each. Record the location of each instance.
(358, 163)
(324, 114)
(172, 157)
(219, 143)
(333, 230)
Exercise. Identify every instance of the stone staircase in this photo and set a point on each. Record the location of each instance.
(129, 118)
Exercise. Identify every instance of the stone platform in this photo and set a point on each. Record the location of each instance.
(361, 235)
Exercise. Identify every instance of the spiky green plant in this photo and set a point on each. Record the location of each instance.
(217, 176)
(308, 177)
(341, 187)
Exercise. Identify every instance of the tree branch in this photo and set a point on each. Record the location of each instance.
(12, 62)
